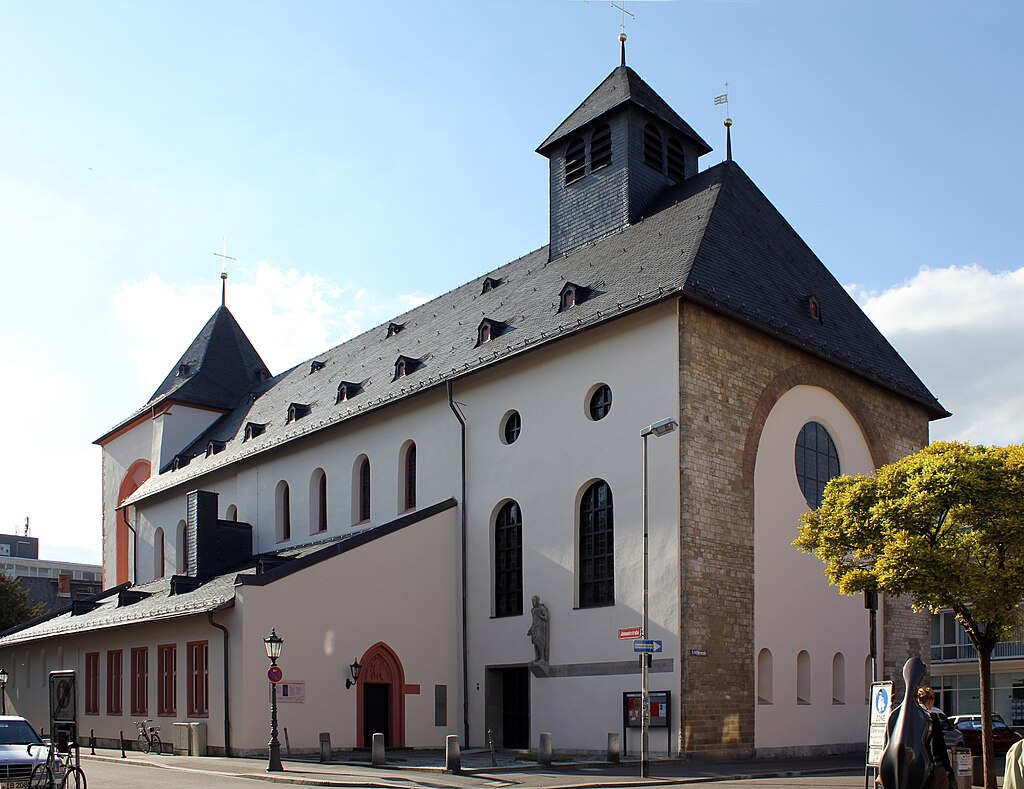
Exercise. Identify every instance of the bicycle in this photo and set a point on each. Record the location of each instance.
(149, 736)
(57, 772)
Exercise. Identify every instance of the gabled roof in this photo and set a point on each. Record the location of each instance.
(219, 366)
(622, 86)
(714, 238)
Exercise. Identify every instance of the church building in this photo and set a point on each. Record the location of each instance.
(392, 506)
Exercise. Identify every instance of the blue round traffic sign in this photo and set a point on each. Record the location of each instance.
(274, 674)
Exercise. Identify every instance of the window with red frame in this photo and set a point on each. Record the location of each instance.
(140, 681)
(92, 683)
(198, 678)
(167, 687)
(115, 668)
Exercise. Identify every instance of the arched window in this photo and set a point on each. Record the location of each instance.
(409, 477)
(575, 160)
(817, 461)
(568, 297)
(508, 561)
(318, 502)
(764, 677)
(803, 677)
(600, 147)
(653, 155)
(283, 512)
(838, 678)
(158, 554)
(181, 548)
(596, 547)
(136, 474)
(676, 159)
(232, 513)
(361, 490)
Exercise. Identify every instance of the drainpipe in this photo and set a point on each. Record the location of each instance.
(135, 545)
(227, 697)
(465, 645)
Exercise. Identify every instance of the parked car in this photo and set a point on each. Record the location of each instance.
(951, 734)
(996, 718)
(16, 763)
(1002, 735)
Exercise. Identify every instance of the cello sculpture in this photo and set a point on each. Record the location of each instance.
(906, 762)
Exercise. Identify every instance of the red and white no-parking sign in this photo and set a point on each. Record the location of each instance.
(274, 674)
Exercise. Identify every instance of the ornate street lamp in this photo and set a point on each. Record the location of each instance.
(659, 428)
(273, 644)
(354, 670)
(3, 691)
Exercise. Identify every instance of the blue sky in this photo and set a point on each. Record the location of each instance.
(361, 157)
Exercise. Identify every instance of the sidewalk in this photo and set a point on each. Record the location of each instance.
(421, 770)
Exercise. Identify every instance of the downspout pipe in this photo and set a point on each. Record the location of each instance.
(465, 629)
(227, 686)
(135, 543)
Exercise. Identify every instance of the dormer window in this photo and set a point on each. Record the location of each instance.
(569, 297)
(394, 328)
(488, 330)
(601, 147)
(490, 284)
(183, 369)
(575, 160)
(180, 461)
(253, 429)
(316, 366)
(653, 154)
(347, 390)
(676, 159)
(405, 365)
(814, 307)
(214, 447)
(296, 411)
(484, 333)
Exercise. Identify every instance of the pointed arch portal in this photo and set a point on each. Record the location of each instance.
(380, 697)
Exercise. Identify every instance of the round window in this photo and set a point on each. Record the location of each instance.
(600, 402)
(513, 425)
(816, 462)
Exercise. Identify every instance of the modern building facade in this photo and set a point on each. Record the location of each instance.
(398, 501)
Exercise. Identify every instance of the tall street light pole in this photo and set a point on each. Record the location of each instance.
(274, 644)
(658, 428)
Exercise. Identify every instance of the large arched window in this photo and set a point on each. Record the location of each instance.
(283, 512)
(318, 502)
(764, 677)
(409, 477)
(137, 473)
(596, 547)
(817, 461)
(838, 678)
(803, 677)
(361, 490)
(508, 561)
(181, 548)
(158, 554)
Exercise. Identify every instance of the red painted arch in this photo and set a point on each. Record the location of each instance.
(380, 663)
(137, 473)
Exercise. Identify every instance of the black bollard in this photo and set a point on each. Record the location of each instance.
(490, 746)
(121, 735)
(92, 741)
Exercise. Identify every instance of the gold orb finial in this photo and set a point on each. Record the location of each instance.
(728, 122)
(622, 37)
(223, 275)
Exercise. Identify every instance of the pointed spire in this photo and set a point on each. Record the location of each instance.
(728, 139)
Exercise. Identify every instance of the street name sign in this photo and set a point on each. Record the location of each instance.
(629, 632)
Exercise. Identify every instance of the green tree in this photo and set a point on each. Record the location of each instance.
(14, 607)
(944, 526)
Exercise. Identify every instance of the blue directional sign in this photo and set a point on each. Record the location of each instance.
(646, 645)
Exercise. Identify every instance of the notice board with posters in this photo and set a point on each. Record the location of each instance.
(659, 702)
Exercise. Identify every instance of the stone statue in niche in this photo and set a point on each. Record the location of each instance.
(907, 762)
(540, 631)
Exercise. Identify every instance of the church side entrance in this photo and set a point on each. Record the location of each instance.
(380, 703)
(508, 706)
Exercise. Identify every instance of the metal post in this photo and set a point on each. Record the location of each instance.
(644, 679)
(274, 766)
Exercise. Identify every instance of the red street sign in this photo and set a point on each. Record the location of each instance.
(629, 632)
(274, 674)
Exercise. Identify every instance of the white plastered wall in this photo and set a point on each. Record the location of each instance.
(117, 457)
(794, 607)
(175, 429)
(560, 451)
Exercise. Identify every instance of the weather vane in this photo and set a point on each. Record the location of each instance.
(724, 99)
(622, 31)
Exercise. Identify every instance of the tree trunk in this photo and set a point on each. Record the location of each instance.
(988, 750)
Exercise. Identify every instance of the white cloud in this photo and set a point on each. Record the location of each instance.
(961, 328)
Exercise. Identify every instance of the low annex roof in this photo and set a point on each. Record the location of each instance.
(714, 238)
(154, 601)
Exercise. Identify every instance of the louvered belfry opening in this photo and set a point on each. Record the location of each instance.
(575, 160)
(601, 147)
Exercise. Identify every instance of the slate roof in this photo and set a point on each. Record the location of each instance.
(219, 366)
(714, 238)
(622, 86)
(213, 595)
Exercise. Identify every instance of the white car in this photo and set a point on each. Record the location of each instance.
(16, 760)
